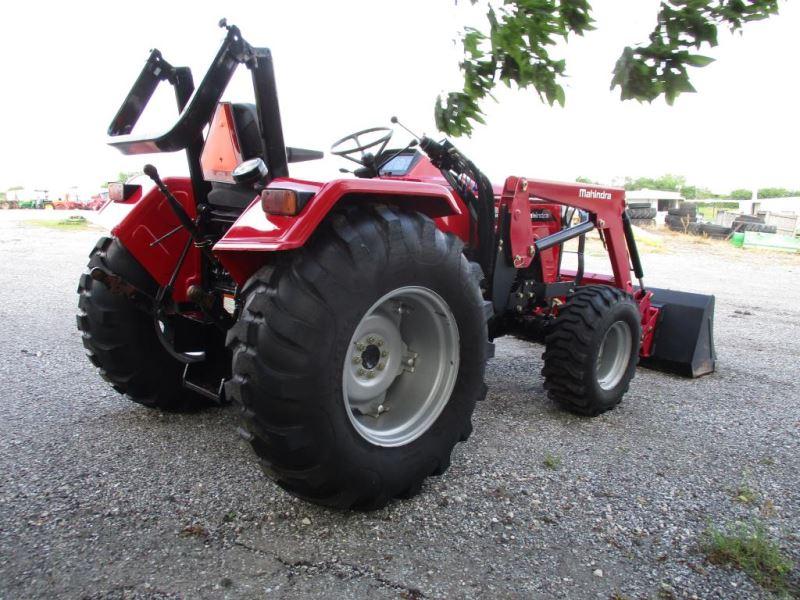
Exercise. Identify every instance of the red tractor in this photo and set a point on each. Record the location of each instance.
(351, 321)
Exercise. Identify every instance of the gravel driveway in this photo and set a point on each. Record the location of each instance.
(102, 498)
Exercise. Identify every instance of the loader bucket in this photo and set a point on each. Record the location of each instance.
(684, 338)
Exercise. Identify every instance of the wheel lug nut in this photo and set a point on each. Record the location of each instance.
(380, 343)
(360, 346)
(360, 372)
(384, 354)
(370, 340)
(381, 367)
(356, 360)
(370, 374)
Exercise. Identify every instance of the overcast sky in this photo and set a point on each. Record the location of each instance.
(348, 65)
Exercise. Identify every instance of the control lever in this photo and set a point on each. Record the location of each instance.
(185, 220)
(396, 121)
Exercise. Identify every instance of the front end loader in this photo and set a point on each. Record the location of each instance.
(350, 321)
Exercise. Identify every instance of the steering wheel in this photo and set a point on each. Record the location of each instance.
(375, 136)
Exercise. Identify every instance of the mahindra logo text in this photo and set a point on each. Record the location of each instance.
(599, 194)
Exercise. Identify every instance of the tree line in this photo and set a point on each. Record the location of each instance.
(677, 183)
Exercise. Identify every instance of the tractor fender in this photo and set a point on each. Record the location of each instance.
(241, 250)
(148, 229)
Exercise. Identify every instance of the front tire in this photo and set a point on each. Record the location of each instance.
(313, 416)
(592, 349)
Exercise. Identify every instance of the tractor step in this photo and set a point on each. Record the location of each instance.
(213, 389)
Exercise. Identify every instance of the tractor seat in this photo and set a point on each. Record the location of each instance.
(232, 196)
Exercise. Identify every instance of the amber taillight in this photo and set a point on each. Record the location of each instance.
(280, 202)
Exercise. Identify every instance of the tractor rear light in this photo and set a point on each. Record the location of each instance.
(122, 192)
(280, 202)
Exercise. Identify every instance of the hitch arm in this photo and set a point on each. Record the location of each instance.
(121, 287)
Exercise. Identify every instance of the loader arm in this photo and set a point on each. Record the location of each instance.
(604, 204)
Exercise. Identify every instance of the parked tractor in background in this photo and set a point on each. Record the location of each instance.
(351, 320)
(27, 198)
(96, 201)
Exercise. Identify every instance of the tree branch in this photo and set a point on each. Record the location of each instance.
(515, 51)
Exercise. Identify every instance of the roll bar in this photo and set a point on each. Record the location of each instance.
(197, 106)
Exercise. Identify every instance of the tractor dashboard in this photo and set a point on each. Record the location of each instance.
(400, 164)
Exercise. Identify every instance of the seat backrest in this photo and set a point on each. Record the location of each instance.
(246, 120)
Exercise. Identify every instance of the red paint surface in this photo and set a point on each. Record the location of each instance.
(248, 244)
(255, 231)
(148, 220)
(606, 213)
(259, 232)
(649, 321)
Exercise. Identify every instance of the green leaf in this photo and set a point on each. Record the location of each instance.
(560, 96)
(696, 60)
(515, 49)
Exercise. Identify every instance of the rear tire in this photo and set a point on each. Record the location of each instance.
(695, 229)
(592, 349)
(642, 213)
(749, 219)
(295, 343)
(718, 232)
(754, 226)
(120, 339)
(680, 224)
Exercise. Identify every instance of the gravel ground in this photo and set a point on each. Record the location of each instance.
(102, 498)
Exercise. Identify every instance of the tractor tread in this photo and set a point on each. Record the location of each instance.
(120, 340)
(568, 370)
(285, 360)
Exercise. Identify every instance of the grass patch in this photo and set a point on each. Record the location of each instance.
(76, 223)
(767, 508)
(749, 548)
(551, 461)
(745, 494)
(229, 517)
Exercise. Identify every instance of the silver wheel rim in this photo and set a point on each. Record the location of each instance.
(401, 366)
(614, 355)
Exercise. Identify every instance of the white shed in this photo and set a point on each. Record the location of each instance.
(661, 200)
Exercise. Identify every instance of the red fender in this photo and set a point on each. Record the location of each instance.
(145, 220)
(241, 250)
